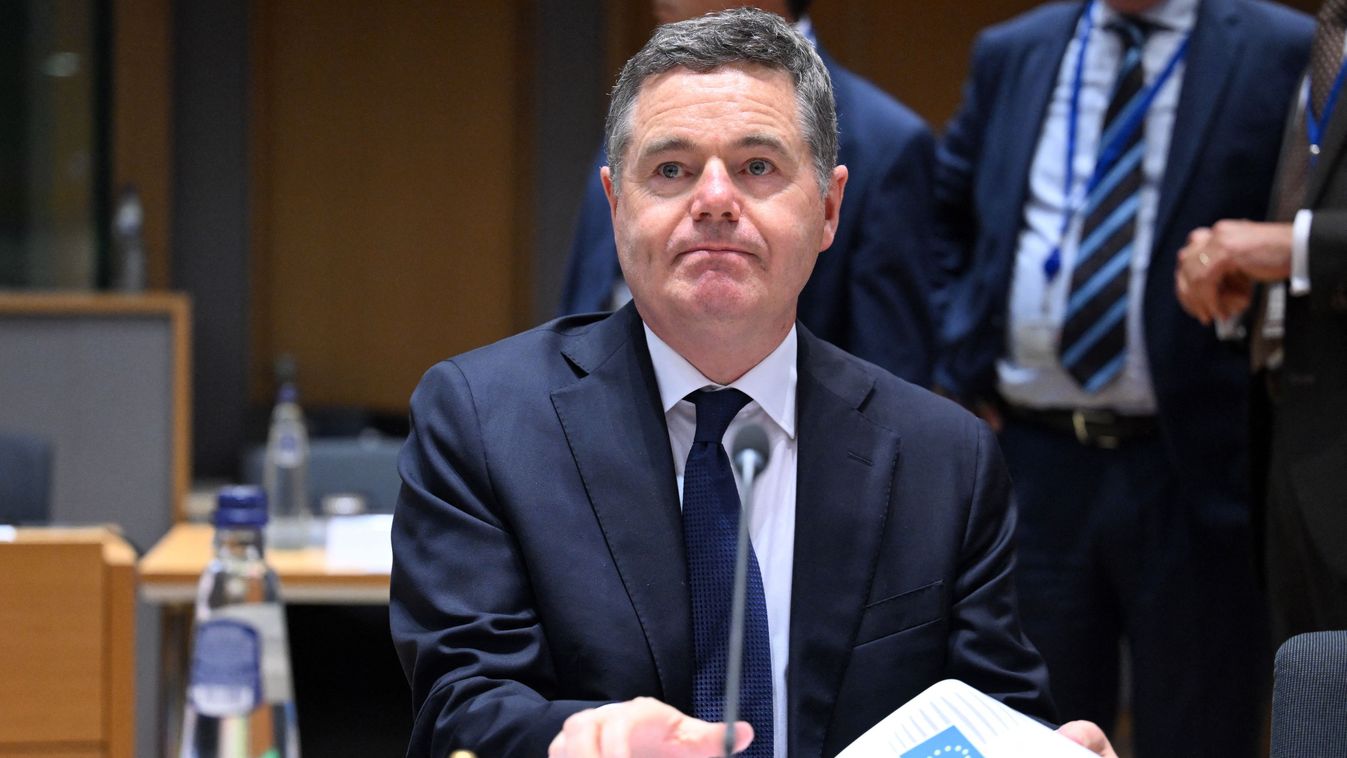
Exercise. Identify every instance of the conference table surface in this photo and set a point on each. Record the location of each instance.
(170, 571)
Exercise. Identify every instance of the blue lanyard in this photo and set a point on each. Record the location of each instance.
(1315, 124)
(1110, 152)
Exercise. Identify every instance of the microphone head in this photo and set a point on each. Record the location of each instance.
(751, 439)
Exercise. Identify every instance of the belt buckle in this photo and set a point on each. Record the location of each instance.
(1080, 423)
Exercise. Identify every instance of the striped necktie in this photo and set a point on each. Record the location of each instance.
(711, 515)
(1093, 346)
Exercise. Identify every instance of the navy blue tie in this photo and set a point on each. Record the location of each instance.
(710, 531)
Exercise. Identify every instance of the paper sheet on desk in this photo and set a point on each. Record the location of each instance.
(360, 543)
(952, 720)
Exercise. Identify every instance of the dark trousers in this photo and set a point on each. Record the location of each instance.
(1110, 549)
(1307, 469)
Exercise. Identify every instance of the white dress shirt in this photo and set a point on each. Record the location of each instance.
(771, 526)
(1031, 373)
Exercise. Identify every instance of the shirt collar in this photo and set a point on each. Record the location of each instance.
(1173, 15)
(771, 383)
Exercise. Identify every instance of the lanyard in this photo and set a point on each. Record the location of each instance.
(1110, 152)
(1316, 123)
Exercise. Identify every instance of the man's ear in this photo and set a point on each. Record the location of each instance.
(606, 176)
(832, 204)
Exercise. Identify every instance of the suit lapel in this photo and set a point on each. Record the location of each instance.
(846, 468)
(615, 428)
(1331, 152)
(1213, 53)
(1029, 88)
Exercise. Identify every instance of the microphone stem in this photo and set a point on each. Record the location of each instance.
(734, 662)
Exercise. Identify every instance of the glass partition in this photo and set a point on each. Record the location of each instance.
(52, 144)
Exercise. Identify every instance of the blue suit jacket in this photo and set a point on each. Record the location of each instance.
(539, 563)
(1244, 64)
(869, 293)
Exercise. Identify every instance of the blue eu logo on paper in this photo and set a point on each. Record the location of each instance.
(948, 744)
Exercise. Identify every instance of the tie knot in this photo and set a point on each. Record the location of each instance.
(715, 410)
(1133, 30)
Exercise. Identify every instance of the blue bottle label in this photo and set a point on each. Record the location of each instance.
(226, 678)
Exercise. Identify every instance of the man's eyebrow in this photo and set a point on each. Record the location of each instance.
(678, 144)
(666, 145)
(768, 141)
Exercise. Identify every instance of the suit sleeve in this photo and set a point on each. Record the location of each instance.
(987, 647)
(956, 228)
(1328, 260)
(461, 610)
(592, 266)
(890, 272)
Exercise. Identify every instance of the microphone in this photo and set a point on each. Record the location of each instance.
(750, 455)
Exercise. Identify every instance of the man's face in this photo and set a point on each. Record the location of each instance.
(719, 215)
(668, 11)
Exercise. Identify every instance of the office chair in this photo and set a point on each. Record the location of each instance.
(25, 478)
(1309, 697)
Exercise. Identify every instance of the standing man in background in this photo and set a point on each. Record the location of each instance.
(1299, 341)
(1092, 137)
(869, 292)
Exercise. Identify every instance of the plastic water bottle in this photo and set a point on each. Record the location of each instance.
(128, 242)
(240, 701)
(286, 470)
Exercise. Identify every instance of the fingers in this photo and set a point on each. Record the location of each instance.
(699, 738)
(578, 738)
(642, 727)
(1202, 274)
(1088, 735)
(1190, 286)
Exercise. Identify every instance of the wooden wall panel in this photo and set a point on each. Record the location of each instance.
(142, 85)
(387, 214)
(916, 51)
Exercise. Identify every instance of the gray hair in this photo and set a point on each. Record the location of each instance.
(742, 35)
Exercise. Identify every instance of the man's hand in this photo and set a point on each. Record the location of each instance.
(643, 727)
(1089, 735)
(1217, 268)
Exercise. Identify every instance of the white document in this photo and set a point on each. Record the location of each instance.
(360, 543)
(952, 720)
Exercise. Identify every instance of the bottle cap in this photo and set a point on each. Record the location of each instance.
(287, 393)
(241, 506)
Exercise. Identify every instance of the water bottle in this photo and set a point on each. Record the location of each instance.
(240, 701)
(285, 472)
(128, 242)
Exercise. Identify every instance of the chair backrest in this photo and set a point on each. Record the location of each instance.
(1309, 698)
(367, 466)
(25, 479)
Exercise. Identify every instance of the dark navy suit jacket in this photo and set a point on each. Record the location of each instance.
(1312, 405)
(1243, 66)
(539, 563)
(869, 293)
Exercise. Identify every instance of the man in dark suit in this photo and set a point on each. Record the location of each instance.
(1299, 342)
(869, 292)
(560, 538)
(1092, 137)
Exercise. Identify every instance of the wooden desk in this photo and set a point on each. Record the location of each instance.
(67, 629)
(170, 571)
